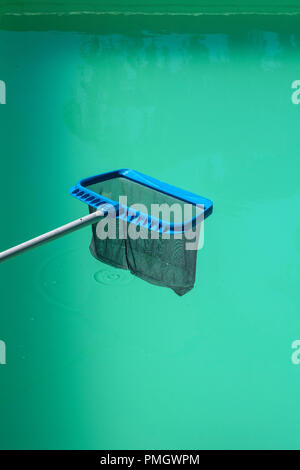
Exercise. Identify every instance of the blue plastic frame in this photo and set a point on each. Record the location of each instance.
(81, 192)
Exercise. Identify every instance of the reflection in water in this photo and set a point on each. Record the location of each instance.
(217, 46)
(153, 96)
(272, 50)
(134, 84)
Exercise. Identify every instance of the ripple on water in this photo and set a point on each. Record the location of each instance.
(112, 276)
(67, 279)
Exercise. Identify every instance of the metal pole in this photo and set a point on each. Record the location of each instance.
(49, 236)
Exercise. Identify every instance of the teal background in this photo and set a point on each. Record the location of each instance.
(95, 357)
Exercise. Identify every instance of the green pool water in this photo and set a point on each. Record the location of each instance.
(95, 357)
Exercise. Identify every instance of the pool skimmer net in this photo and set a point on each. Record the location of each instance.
(138, 223)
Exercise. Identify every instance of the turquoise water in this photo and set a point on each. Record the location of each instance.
(95, 357)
